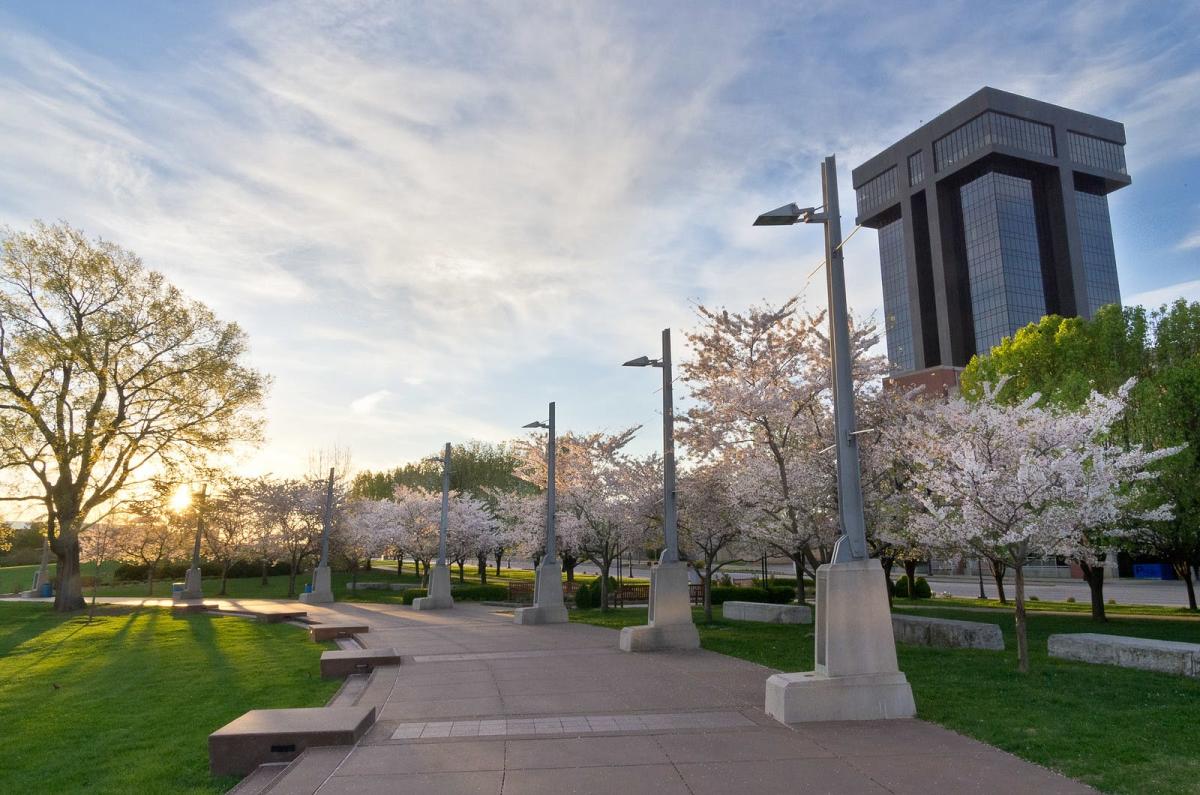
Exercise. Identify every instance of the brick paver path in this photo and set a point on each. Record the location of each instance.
(481, 705)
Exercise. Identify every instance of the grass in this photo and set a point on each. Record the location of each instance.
(1117, 729)
(1083, 607)
(125, 703)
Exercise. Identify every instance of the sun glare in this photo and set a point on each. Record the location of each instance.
(181, 499)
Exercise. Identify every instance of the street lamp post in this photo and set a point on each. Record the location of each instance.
(856, 676)
(548, 606)
(192, 587)
(439, 579)
(670, 623)
(322, 581)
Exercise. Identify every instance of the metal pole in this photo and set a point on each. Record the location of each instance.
(326, 521)
(670, 535)
(850, 504)
(551, 500)
(199, 496)
(444, 525)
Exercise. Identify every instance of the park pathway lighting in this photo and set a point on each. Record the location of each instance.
(192, 587)
(856, 676)
(548, 606)
(322, 582)
(670, 624)
(439, 579)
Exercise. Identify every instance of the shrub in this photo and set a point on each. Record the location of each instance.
(921, 589)
(583, 597)
(1112, 601)
(1034, 599)
(1070, 600)
(480, 593)
(413, 594)
(901, 588)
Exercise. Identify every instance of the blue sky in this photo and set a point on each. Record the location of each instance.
(432, 218)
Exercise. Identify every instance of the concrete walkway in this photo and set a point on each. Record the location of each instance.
(481, 705)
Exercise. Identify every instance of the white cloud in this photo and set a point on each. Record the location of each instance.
(368, 403)
(1189, 291)
(1190, 242)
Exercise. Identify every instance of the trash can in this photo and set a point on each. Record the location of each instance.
(47, 589)
(177, 590)
(308, 587)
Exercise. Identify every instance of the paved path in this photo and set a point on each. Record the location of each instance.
(481, 705)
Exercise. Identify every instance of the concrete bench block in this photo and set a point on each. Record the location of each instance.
(767, 613)
(320, 632)
(193, 607)
(1163, 656)
(279, 616)
(280, 735)
(945, 633)
(344, 662)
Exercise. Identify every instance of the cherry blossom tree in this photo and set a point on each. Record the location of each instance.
(472, 533)
(1016, 480)
(231, 522)
(760, 382)
(417, 522)
(711, 520)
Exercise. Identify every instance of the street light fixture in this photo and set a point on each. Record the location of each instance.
(322, 581)
(856, 676)
(548, 606)
(670, 624)
(192, 584)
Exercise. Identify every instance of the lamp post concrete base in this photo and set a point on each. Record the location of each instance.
(322, 588)
(548, 606)
(856, 676)
(671, 625)
(439, 597)
(39, 581)
(192, 588)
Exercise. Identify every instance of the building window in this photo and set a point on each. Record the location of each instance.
(897, 318)
(916, 168)
(1003, 258)
(1099, 259)
(993, 129)
(876, 192)
(1088, 150)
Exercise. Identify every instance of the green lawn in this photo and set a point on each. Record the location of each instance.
(1117, 729)
(1044, 605)
(125, 703)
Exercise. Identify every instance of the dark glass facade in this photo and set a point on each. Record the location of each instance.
(916, 168)
(897, 318)
(1099, 258)
(877, 192)
(1088, 150)
(991, 128)
(1003, 259)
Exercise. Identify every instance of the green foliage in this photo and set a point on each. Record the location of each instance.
(900, 589)
(584, 599)
(476, 468)
(776, 595)
(412, 594)
(480, 593)
(921, 589)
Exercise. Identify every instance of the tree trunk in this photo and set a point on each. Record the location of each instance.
(604, 569)
(292, 579)
(462, 577)
(998, 570)
(499, 560)
(1184, 572)
(265, 581)
(887, 578)
(798, 565)
(569, 562)
(400, 563)
(910, 571)
(224, 578)
(708, 575)
(1022, 637)
(368, 562)
(1095, 580)
(68, 587)
(482, 569)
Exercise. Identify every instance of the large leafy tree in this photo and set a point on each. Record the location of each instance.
(1063, 359)
(107, 372)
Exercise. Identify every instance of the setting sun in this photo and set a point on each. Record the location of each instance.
(181, 499)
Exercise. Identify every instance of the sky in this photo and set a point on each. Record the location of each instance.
(433, 218)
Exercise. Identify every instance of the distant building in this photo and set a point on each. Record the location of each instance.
(989, 217)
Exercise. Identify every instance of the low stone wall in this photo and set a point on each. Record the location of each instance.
(943, 632)
(767, 613)
(1164, 656)
(380, 586)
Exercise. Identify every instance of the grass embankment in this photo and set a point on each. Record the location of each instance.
(1118, 729)
(125, 703)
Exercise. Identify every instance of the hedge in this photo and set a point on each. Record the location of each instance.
(480, 593)
(779, 595)
(920, 589)
(412, 594)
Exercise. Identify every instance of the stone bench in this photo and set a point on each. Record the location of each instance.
(344, 662)
(320, 632)
(1164, 656)
(946, 633)
(767, 613)
(280, 735)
